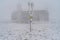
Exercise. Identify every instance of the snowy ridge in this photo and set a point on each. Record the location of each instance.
(14, 31)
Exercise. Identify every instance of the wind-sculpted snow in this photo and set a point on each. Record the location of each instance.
(40, 31)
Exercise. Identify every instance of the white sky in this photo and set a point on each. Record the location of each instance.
(8, 6)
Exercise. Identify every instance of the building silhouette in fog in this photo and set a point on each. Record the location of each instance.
(23, 16)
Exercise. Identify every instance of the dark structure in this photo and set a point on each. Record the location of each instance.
(23, 16)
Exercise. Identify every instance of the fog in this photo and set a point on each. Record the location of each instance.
(7, 7)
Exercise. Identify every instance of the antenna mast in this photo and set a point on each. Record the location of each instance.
(30, 10)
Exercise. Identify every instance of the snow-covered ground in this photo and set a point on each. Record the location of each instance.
(16, 31)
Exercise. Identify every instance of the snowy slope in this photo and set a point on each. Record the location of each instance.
(15, 31)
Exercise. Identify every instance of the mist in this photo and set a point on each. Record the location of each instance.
(7, 7)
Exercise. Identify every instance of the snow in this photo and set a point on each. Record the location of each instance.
(16, 31)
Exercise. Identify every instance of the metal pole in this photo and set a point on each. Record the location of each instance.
(30, 5)
(31, 17)
(30, 25)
